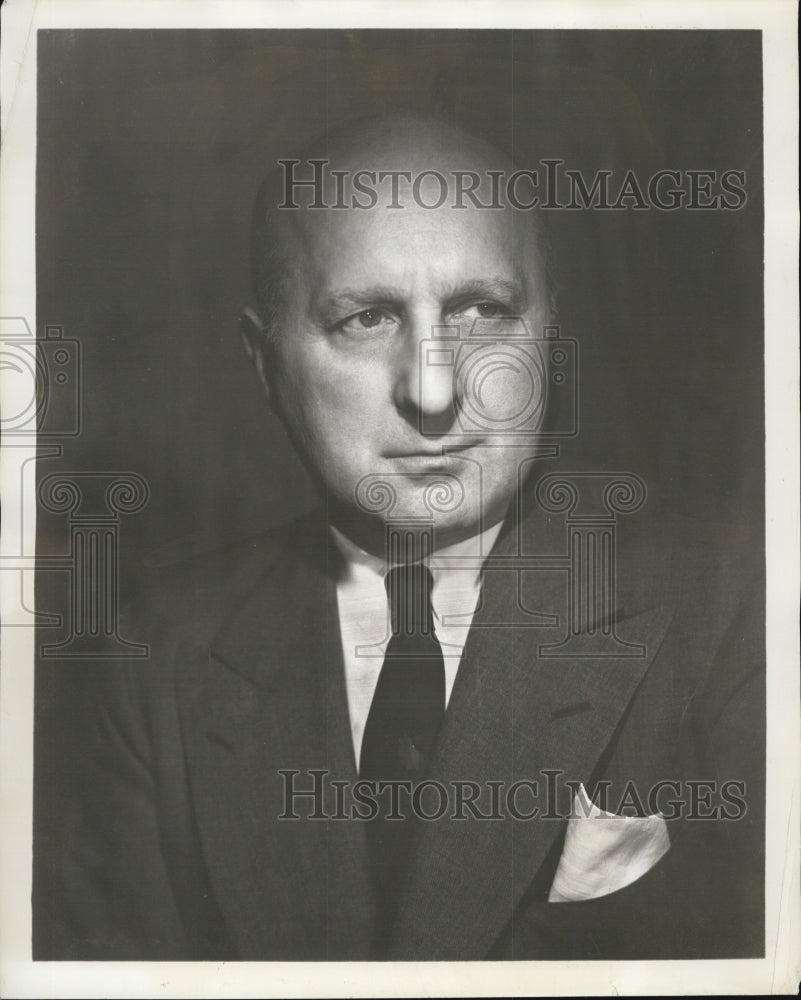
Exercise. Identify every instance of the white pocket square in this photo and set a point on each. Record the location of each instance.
(604, 852)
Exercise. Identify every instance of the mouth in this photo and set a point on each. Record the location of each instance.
(444, 459)
(444, 451)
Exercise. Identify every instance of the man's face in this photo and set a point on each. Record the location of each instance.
(391, 426)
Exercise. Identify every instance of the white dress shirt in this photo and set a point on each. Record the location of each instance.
(364, 614)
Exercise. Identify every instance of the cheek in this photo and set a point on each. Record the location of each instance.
(503, 389)
(332, 403)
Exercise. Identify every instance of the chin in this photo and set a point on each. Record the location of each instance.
(448, 527)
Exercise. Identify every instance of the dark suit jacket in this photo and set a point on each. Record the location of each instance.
(174, 849)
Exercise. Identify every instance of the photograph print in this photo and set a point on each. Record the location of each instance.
(400, 495)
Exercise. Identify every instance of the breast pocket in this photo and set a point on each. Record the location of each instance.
(604, 852)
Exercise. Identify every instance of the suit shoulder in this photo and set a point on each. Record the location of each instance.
(197, 580)
(680, 560)
(712, 579)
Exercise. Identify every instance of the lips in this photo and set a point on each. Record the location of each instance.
(431, 463)
(443, 451)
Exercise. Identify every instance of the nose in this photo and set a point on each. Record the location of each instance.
(425, 390)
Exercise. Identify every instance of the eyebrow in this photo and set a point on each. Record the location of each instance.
(354, 298)
(344, 299)
(489, 288)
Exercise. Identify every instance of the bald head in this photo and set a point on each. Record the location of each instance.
(383, 167)
(410, 143)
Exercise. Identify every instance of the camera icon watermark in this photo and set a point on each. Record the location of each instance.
(41, 387)
(505, 381)
(43, 378)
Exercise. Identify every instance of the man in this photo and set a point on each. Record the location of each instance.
(270, 785)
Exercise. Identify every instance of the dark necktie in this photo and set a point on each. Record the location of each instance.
(402, 726)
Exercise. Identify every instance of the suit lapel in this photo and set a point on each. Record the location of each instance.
(270, 697)
(513, 716)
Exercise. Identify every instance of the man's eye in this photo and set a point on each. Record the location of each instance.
(368, 319)
(484, 310)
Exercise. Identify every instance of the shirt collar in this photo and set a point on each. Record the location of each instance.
(455, 565)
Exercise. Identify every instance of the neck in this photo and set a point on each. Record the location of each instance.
(402, 542)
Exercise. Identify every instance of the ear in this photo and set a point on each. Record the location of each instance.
(257, 348)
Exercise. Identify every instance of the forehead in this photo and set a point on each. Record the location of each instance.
(414, 247)
(438, 236)
(445, 240)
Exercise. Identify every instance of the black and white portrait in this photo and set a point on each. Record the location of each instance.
(400, 542)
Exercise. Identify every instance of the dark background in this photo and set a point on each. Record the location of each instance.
(151, 145)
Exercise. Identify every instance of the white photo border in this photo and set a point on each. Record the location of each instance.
(779, 971)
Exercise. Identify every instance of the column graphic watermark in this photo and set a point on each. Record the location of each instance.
(41, 414)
